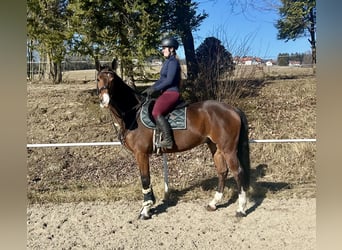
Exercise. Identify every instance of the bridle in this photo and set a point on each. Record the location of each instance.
(109, 74)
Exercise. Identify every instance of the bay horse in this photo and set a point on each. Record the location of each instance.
(222, 127)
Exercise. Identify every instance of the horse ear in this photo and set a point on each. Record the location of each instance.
(97, 65)
(114, 64)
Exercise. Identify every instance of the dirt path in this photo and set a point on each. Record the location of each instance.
(272, 224)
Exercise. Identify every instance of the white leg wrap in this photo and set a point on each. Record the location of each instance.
(145, 211)
(242, 202)
(147, 204)
(146, 191)
(217, 198)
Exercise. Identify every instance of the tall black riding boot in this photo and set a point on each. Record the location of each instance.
(164, 126)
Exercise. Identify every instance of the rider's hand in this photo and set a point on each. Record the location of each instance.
(149, 91)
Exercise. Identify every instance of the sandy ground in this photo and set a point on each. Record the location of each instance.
(270, 224)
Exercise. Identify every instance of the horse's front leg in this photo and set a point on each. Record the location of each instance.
(149, 199)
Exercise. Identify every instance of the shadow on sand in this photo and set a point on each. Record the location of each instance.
(260, 189)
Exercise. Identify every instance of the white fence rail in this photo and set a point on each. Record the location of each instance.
(118, 143)
(282, 140)
(73, 144)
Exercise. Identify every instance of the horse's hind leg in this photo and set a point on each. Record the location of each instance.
(222, 171)
(237, 171)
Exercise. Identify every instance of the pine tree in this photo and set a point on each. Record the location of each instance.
(127, 31)
(46, 26)
(297, 19)
(283, 59)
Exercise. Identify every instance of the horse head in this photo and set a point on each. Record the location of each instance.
(105, 77)
(104, 82)
(112, 90)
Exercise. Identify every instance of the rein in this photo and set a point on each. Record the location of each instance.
(121, 115)
(119, 134)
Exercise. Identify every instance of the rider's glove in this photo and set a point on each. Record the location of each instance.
(149, 91)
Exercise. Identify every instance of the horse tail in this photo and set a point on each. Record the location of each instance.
(243, 149)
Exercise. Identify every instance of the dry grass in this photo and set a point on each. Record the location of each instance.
(284, 109)
(280, 108)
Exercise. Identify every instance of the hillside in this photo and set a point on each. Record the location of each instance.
(70, 112)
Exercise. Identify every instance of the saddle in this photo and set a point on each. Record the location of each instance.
(176, 118)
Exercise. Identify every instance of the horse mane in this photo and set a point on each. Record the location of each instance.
(123, 93)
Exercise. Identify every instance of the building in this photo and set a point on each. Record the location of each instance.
(247, 60)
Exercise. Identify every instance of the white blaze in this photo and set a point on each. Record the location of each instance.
(105, 100)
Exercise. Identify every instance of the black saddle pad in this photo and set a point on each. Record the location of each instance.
(176, 118)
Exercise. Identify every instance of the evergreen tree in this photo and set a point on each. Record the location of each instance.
(125, 30)
(213, 58)
(297, 19)
(215, 64)
(283, 59)
(46, 26)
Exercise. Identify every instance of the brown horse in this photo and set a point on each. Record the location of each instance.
(222, 127)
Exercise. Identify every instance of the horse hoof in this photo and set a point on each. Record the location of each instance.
(240, 214)
(144, 217)
(210, 208)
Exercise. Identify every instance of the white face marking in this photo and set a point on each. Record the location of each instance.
(105, 100)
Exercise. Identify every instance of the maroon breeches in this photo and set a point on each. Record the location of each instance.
(165, 103)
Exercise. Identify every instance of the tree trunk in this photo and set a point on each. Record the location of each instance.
(57, 72)
(47, 68)
(30, 61)
(312, 39)
(190, 56)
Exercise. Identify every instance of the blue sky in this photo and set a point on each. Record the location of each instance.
(252, 33)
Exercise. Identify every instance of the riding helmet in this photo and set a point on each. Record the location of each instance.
(170, 42)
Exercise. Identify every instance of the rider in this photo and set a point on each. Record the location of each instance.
(168, 85)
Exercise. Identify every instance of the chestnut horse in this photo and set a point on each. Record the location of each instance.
(222, 127)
